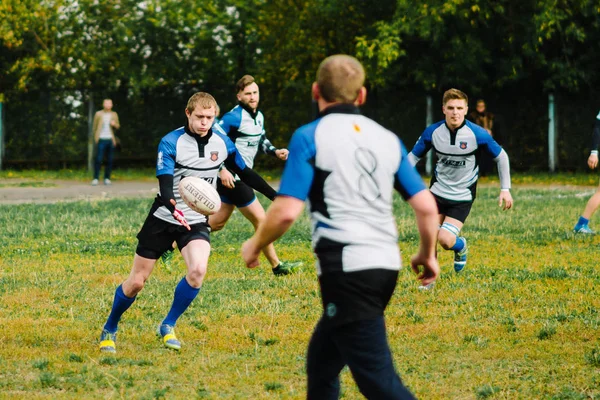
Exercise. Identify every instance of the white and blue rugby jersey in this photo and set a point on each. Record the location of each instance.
(346, 166)
(182, 154)
(246, 130)
(457, 169)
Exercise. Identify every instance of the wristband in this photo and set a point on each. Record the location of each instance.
(594, 153)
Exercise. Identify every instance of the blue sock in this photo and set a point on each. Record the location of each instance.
(459, 245)
(582, 222)
(120, 304)
(184, 295)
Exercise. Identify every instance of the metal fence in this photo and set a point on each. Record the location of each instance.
(50, 129)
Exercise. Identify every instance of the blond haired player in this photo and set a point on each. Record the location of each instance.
(192, 150)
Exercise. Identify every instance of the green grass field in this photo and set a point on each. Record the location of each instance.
(521, 322)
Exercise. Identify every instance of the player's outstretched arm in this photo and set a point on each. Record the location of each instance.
(280, 216)
(282, 154)
(505, 200)
(426, 213)
(256, 182)
(593, 160)
(235, 163)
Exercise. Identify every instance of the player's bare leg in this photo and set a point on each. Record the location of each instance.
(218, 220)
(255, 213)
(124, 298)
(140, 272)
(591, 206)
(195, 255)
(449, 239)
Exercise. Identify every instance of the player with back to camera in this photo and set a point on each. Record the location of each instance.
(582, 225)
(346, 166)
(244, 125)
(192, 150)
(457, 143)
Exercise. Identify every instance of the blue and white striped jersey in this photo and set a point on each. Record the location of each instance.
(184, 154)
(457, 169)
(247, 131)
(347, 166)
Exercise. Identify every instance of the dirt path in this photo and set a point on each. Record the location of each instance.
(51, 191)
(20, 191)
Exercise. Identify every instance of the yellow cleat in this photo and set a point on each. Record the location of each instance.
(167, 333)
(107, 342)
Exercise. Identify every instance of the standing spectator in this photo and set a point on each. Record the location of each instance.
(347, 166)
(105, 123)
(594, 201)
(482, 117)
(485, 119)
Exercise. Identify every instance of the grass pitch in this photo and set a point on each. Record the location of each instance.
(522, 321)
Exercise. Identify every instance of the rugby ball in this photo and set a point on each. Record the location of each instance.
(199, 195)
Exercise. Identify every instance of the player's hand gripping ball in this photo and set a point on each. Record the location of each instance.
(199, 195)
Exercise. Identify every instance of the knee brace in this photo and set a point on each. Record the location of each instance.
(450, 228)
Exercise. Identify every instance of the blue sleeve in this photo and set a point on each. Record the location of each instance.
(234, 160)
(167, 154)
(424, 142)
(217, 128)
(299, 171)
(230, 121)
(408, 182)
(485, 140)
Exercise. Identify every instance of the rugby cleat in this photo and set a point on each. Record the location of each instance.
(583, 229)
(107, 342)
(427, 287)
(460, 257)
(167, 333)
(286, 268)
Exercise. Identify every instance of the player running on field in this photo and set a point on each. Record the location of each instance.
(244, 125)
(457, 144)
(347, 167)
(594, 201)
(193, 150)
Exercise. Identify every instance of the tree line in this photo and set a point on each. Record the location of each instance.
(149, 56)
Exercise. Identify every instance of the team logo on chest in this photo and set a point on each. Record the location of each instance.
(214, 155)
(463, 145)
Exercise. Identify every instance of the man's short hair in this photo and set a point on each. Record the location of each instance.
(340, 78)
(201, 99)
(454, 94)
(243, 82)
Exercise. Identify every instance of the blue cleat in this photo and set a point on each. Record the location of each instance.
(107, 342)
(167, 333)
(583, 229)
(460, 257)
